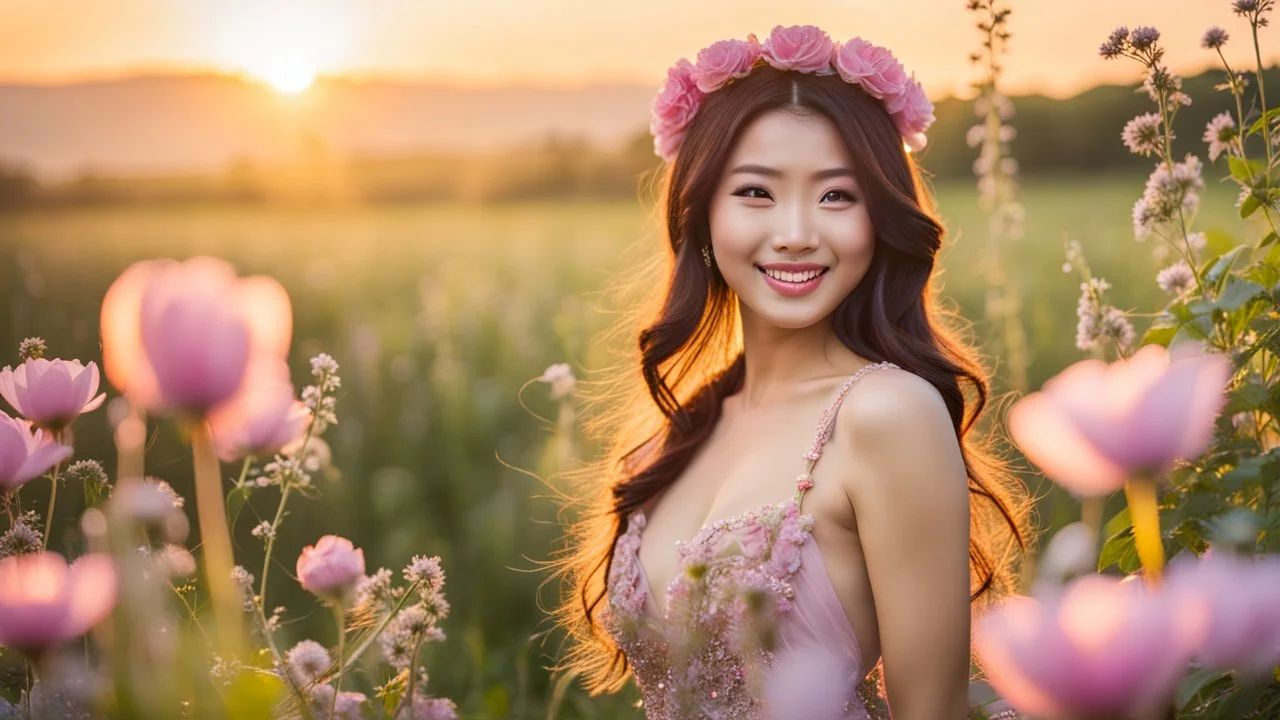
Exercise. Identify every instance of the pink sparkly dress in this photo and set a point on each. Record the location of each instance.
(752, 626)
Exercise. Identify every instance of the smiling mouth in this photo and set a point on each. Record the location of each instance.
(792, 283)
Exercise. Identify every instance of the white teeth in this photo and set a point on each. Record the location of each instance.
(792, 277)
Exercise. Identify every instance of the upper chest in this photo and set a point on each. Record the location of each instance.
(749, 461)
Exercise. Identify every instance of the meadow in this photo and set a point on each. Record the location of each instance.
(439, 314)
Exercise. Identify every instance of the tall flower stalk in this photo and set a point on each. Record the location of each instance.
(997, 172)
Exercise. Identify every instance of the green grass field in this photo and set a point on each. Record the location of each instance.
(438, 314)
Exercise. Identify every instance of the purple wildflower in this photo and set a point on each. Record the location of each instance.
(1143, 38)
(1219, 134)
(1142, 134)
(1115, 43)
(1214, 38)
(1176, 279)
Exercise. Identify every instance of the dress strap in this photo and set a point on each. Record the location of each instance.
(827, 424)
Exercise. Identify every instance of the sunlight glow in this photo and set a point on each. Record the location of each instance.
(288, 74)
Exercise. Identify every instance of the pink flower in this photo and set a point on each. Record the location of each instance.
(887, 79)
(43, 602)
(1094, 425)
(51, 393)
(179, 336)
(802, 48)
(913, 116)
(673, 109)
(1241, 598)
(263, 418)
(331, 567)
(26, 452)
(724, 60)
(1103, 648)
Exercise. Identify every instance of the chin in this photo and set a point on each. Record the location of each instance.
(793, 318)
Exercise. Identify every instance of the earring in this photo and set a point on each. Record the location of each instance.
(706, 255)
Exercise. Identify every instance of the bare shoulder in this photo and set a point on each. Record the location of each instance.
(897, 426)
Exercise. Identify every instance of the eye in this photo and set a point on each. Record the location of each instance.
(749, 192)
(841, 195)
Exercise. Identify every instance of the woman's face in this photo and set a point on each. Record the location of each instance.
(790, 230)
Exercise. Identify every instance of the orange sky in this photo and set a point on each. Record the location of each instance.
(571, 41)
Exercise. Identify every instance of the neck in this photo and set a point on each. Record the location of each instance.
(780, 362)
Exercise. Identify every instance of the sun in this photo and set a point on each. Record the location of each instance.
(290, 75)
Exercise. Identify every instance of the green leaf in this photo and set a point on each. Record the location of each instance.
(1120, 551)
(1245, 171)
(1118, 522)
(1159, 335)
(1216, 274)
(1192, 684)
(1262, 121)
(1250, 206)
(1267, 239)
(235, 503)
(1236, 295)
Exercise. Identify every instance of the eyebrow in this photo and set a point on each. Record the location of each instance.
(771, 172)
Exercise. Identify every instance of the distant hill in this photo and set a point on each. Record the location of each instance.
(194, 123)
(197, 138)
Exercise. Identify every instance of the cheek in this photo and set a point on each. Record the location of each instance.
(731, 227)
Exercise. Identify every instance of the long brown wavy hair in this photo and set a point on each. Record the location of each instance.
(689, 351)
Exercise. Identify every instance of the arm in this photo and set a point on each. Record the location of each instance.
(910, 495)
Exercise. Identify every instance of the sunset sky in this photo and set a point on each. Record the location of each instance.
(499, 42)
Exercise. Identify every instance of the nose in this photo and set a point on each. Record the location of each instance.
(796, 232)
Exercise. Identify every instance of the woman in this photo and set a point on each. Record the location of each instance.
(797, 336)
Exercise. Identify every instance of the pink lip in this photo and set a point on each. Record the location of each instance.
(790, 289)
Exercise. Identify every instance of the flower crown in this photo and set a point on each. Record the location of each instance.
(801, 48)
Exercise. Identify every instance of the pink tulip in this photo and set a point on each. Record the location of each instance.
(51, 393)
(1094, 425)
(331, 567)
(26, 453)
(44, 603)
(180, 336)
(1241, 597)
(1103, 648)
(262, 418)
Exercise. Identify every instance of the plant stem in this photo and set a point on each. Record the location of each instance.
(1144, 509)
(1262, 98)
(215, 540)
(49, 515)
(303, 704)
(340, 616)
(407, 700)
(271, 541)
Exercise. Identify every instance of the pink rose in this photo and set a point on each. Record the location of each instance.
(889, 78)
(330, 567)
(803, 48)
(724, 60)
(855, 61)
(673, 108)
(914, 117)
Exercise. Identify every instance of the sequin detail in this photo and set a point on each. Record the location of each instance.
(706, 658)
